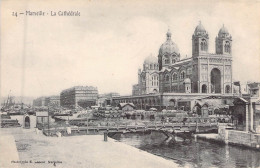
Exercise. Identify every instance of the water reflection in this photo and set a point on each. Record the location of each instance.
(189, 153)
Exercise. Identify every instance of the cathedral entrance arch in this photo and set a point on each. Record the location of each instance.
(215, 78)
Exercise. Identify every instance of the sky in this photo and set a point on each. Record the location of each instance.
(108, 42)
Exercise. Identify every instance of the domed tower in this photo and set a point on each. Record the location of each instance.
(200, 40)
(150, 63)
(149, 77)
(168, 52)
(223, 41)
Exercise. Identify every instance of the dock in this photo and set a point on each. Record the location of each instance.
(233, 137)
(81, 151)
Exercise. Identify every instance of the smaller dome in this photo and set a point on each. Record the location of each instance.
(150, 59)
(199, 29)
(187, 80)
(223, 30)
(169, 46)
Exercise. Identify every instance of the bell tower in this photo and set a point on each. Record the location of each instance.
(223, 42)
(200, 40)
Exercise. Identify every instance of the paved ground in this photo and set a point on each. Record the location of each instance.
(77, 151)
(8, 151)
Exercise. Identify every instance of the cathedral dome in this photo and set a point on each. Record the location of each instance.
(199, 29)
(223, 30)
(150, 60)
(169, 46)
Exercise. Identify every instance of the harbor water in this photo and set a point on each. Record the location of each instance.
(191, 153)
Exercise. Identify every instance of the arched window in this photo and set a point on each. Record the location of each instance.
(174, 77)
(155, 80)
(151, 66)
(166, 61)
(227, 47)
(204, 88)
(182, 75)
(173, 61)
(167, 77)
(203, 45)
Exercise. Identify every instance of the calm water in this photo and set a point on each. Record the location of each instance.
(191, 153)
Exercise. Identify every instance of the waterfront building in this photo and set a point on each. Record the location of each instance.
(39, 102)
(53, 101)
(84, 96)
(106, 99)
(126, 106)
(254, 89)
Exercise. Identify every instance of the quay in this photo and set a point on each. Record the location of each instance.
(233, 137)
(82, 151)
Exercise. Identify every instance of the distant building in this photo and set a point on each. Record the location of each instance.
(246, 88)
(254, 89)
(84, 96)
(136, 90)
(203, 72)
(126, 106)
(106, 99)
(39, 102)
(53, 101)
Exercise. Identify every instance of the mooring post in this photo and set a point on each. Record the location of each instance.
(105, 136)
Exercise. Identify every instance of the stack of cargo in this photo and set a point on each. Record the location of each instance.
(7, 123)
(108, 112)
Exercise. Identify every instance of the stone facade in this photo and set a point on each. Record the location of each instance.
(106, 99)
(241, 138)
(202, 73)
(39, 102)
(53, 101)
(79, 96)
(148, 78)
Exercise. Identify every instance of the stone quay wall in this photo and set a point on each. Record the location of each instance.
(241, 138)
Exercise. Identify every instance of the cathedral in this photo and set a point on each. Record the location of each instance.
(203, 72)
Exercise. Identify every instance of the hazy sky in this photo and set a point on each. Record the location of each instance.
(106, 45)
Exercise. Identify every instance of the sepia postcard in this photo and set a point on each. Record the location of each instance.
(129, 83)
